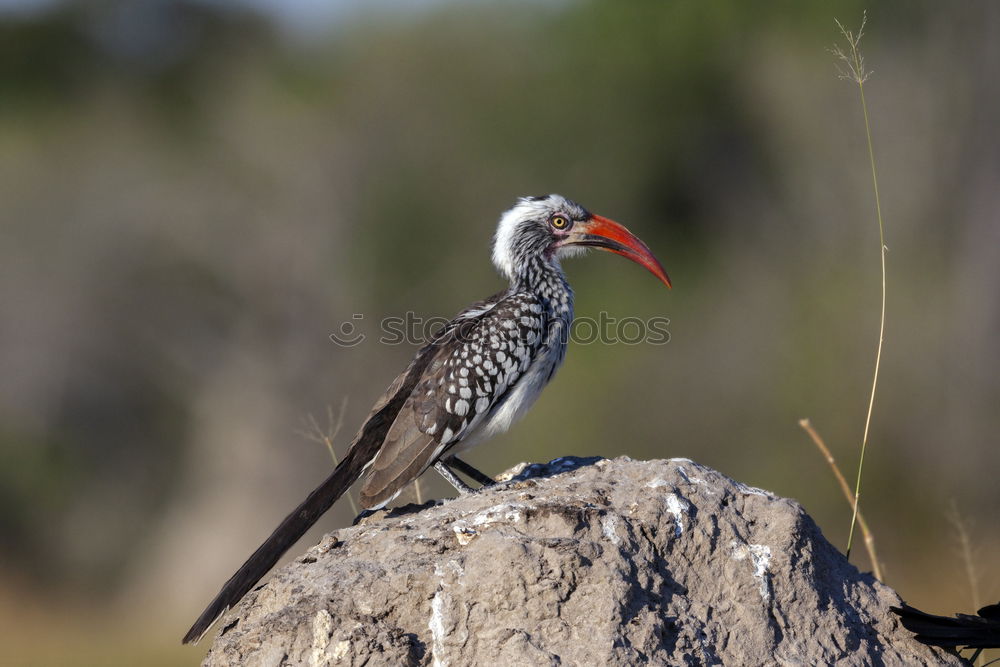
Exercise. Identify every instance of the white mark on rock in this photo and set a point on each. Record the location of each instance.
(499, 513)
(609, 528)
(453, 565)
(322, 628)
(340, 650)
(760, 556)
(753, 490)
(690, 480)
(437, 628)
(678, 507)
(468, 529)
(464, 533)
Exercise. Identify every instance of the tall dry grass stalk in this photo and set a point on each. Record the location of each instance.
(326, 437)
(852, 68)
(869, 538)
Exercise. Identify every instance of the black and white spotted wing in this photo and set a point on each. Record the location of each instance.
(479, 357)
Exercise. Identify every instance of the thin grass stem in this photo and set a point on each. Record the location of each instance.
(856, 72)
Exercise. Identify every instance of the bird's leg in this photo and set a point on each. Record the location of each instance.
(471, 472)
(452, 478)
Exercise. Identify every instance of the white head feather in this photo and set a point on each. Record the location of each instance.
(527, 209)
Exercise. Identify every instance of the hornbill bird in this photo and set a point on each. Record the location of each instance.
(978, 632)
(478, 375)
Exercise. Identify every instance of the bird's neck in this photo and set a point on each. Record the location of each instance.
(544, 278)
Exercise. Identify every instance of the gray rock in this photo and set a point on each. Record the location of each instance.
(577, 562)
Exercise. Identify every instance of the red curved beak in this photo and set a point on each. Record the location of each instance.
(606, 234)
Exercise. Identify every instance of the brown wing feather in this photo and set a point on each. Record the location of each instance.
(407, 449)
(405, 454)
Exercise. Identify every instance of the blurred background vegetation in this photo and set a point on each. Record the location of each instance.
(194, 195)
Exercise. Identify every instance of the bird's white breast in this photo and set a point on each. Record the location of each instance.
(525, 391)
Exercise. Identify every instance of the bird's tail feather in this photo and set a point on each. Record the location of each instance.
(982, 631)
(284, 536)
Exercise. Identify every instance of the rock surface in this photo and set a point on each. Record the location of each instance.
(577, 562)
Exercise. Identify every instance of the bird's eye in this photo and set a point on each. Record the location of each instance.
(559, 222)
